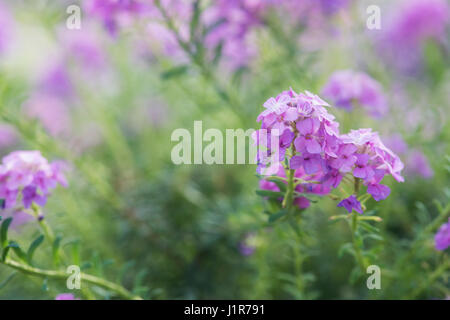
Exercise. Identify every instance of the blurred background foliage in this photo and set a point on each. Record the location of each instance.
(199, 231)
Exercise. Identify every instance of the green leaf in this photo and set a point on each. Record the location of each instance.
(86, 265)
(346, 248)
(125, 269)
(33, 246)
(217, 53)
(280, 184)
(278, 215)
(55, 250)
(4, 232)
(355, 275)
(75, 251)
(18, 251)
(368, 227)
(45, 284)
(195, 19)
(138, 280)
(7, 280)
(373, 236)
(174, 72)
(270, 194)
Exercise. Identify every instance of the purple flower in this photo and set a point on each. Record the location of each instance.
(413, 23)
(247, 246)
(417, 164)
(322, 156)
(233, 22)
(310, 162)
(332, 178)
(51, 111)
(8, 135)
(30, 195)
(30, 174)
(19, 217)
(351, 203)
(307, 139)
(115, 12)
(442, 237)
(397, 144)
(378, 191)
(83, 47)
(65, 296)
(302, 202)
(345, 158)
(55, 81)
(362, 168)
(348, 89)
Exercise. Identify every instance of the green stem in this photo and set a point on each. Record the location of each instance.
(198, 60)
(56, 274)
(358, 254)
(432, 278)
(355, 237)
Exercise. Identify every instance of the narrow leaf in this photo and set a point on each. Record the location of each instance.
(174, 72)
(4, 231)
(278, 215)
(34, 245)
(7, 280)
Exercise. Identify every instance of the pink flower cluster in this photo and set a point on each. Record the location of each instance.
(318, 152)
(348, 89)
(28, 176)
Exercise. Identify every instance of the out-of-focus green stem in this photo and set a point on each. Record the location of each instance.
(56, 274)
(196, 59)
(354, 228)
(358, 254)
(430, 279)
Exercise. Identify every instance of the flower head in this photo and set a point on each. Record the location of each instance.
(413, 23)
(349, 89)
(310, 142)
(442, 237)
(29, 175)
(351, 203)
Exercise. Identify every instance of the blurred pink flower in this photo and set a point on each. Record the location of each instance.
(29, 174)
(442, 237)
(8, 135)
(55, 80)
(348, 89)
(50, 111)
(413, 23)
(65, 296)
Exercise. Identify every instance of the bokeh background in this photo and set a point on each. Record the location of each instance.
(106, 98)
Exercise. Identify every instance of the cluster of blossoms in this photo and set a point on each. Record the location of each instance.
(413, 23)
(28, 177)
(442, 237)
(309, 142)
(348, 89)
(114, 13)
(416, 163)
